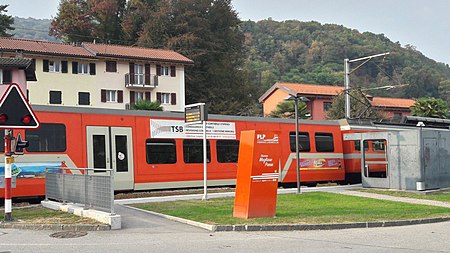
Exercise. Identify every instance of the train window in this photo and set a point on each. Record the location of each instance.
(358, 146)
(2, 145)
(161, 151)
(378, 145)
(227, 151)
(193, 151)
(47, 138)
(324, 142)
(303, 141)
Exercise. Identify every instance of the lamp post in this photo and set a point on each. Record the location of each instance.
(347, 78)
(297, 98)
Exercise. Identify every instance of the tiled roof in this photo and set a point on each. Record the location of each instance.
(137, 52)
(312, 89)
(91, 50)
(42, 47)
(392, 102)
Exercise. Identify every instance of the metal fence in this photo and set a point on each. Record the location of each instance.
(92, 188)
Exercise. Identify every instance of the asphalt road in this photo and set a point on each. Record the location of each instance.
(144, 232)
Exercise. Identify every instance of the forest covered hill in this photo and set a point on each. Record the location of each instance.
(310, 52)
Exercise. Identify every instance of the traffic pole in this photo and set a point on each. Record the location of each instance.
(9, 160)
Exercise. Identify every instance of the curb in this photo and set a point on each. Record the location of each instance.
(65, 227)
(293, 227)
(332, 226)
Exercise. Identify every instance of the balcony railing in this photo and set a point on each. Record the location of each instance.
(139, 81)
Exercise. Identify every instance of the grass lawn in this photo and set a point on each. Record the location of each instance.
(306, 208)
(38, 214)
(444, 197)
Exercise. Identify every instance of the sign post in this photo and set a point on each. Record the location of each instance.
(195, 114)
(15, 113)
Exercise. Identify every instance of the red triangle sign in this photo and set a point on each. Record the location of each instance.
(15, 112)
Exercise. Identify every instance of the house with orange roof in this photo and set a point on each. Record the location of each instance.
(320, 98)
(101, 75)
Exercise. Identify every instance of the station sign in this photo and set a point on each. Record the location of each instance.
(173, 129)
(195, 113)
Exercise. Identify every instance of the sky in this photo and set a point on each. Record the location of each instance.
(424, 24)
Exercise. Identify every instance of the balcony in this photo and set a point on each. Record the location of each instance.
(139, 81)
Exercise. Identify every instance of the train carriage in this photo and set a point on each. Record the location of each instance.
(155, 150)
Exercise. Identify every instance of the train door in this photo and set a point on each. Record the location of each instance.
(112, 148)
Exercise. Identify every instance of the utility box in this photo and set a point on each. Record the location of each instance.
(415, 159)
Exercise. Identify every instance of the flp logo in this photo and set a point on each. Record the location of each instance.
(264, 139)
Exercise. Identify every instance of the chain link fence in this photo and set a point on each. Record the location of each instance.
(92, 188)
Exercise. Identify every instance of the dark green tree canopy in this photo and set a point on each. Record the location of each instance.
(286, 110)
(5, 22)
(430, 107)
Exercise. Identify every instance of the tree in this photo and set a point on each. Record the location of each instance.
(73, 22)
(147, 105)
(206, 31)
(286, 110)
(86, 20)
(360, 107)
(430, 107)
(5, 22)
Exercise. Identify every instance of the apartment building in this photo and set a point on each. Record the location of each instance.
(101, 75)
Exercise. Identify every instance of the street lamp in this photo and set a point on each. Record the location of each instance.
(297, 98)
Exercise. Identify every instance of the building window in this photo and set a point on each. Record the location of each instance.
(397, 115)
(139, 74)
(161, 151)
(55, 97)
(165, 98)
(324, 142)
(227, 151)
(139, 95)
(327, 106)
(84, 98)
(193, 151)
(83, 68)
(54, 66)
(111, 66)
(165, 70)
(111, 96)
(47, 138)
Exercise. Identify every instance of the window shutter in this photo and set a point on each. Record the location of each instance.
(103, 95)
(158, 70)
(92, 69)
(158, 96)
(147, 74)
(132, 98)
(173, 99)
(7, 78)
(75, 68)
(173, 71)
(64, 67)
(119, 96)
(45, 66)
(147, 96)
(131, 73)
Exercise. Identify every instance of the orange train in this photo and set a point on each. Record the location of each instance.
(156, 150)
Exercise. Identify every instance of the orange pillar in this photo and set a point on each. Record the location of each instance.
(257, 174)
